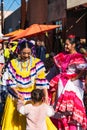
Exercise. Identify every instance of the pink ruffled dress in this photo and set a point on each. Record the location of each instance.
(70, 93)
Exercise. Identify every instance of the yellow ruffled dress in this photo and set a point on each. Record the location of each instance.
(25, 77)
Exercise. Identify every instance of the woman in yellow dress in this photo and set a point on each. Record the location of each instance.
(23, 74)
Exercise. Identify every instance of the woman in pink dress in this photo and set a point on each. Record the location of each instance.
(69, 87)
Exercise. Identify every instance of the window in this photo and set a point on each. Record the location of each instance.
(59, 23)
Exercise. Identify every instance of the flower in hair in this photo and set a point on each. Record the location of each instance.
(71, 36)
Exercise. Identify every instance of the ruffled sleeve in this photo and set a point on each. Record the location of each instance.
(10, 79)
(41, 81)
(58, 59)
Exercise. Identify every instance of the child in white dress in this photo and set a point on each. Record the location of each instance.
(36, 112)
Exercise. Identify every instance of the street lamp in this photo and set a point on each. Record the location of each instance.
(2, 18)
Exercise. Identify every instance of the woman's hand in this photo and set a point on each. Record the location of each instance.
(78, 76)
(46, 100)
(20, 96)
(85, 87)
(73, 79)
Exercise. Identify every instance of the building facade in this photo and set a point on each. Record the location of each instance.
(71, 14)
(5, 15)
(77, 18)
(12, 22)
(75, 3)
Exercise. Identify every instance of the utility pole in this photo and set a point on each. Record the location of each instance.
(23, 13)
(2, 18)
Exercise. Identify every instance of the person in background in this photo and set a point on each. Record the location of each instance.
(42, 51)
(36, 112)
(38, 44)
(69, 87)
(81, 46)
(52, 69)
(2, 59)
(9, 51)
(2, 64)
(33, 49)
(23, 74)
(85, 93)
(86, 80)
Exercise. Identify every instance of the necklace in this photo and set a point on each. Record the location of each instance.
(25, 65)
(22, 66)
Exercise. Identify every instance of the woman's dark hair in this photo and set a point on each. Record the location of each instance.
(37, 95)
(24, 44)
(72, 39)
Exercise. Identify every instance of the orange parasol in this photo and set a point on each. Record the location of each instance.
(11, 34)
(35, 29)
(17, 33)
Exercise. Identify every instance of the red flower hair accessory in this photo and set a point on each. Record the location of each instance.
(71, 36)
